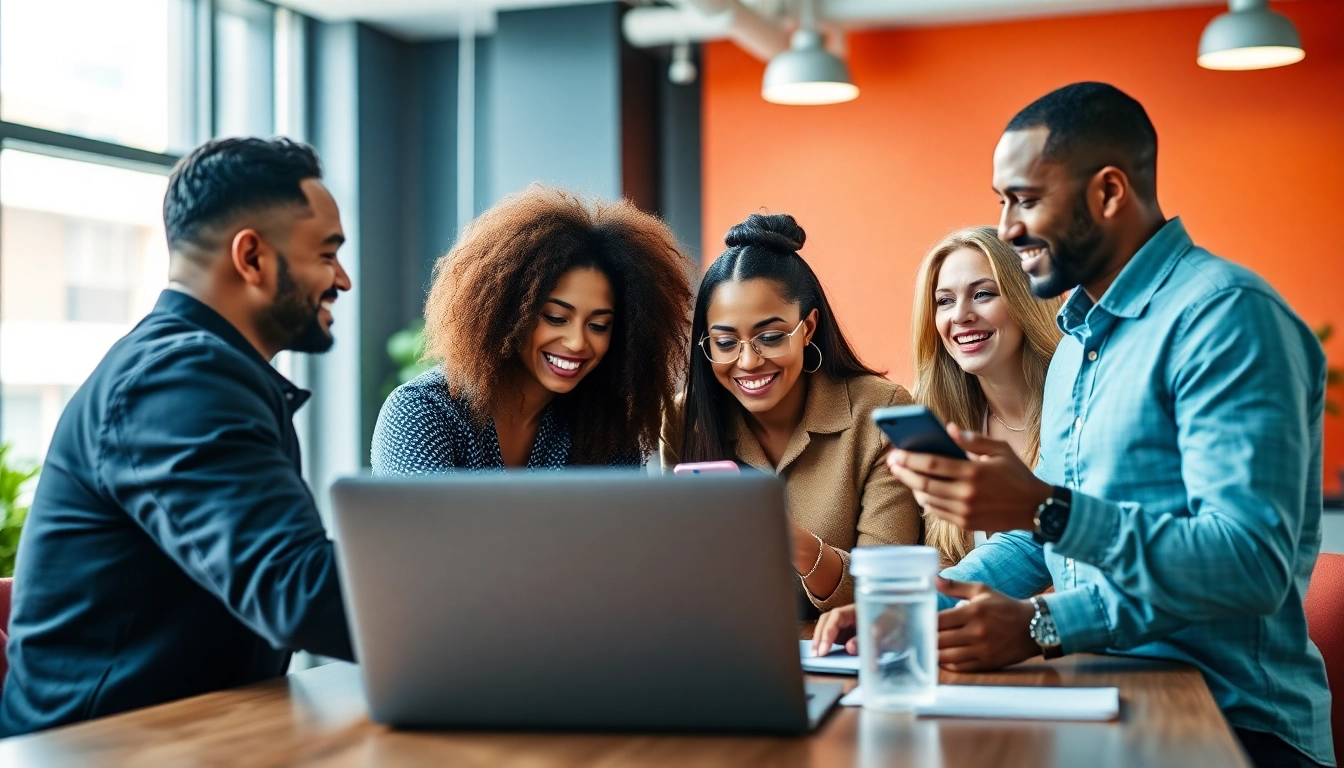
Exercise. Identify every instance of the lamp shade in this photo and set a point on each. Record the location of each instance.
(807, 74)
(1250, 36)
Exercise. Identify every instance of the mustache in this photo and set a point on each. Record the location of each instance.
(330, 294)
(1022, 241)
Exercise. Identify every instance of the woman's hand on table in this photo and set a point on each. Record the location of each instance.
(835, 626)
(985, 630)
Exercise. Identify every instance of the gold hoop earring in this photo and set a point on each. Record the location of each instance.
(814, 346)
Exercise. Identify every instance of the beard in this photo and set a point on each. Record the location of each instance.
(1075, 258)
(293, 318)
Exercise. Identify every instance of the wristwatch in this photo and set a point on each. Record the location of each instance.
(1043, 630)
(1052, 516)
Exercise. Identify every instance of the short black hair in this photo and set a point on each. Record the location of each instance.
(1093, 125)
(223, 178)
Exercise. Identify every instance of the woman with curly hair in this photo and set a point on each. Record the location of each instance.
(560, 326)
(775, 385)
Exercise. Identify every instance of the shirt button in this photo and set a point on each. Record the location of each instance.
(1092, 355)
(1078, 423)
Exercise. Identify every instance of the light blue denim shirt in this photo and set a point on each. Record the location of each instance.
(1184, 411)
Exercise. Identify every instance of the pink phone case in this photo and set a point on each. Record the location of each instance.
(707, 468)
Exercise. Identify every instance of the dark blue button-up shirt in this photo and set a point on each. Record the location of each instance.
(172, 547)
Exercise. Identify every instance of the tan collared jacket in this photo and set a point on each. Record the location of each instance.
(835, 481)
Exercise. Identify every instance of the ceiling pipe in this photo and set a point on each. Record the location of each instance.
(701, 20)
(650, 26)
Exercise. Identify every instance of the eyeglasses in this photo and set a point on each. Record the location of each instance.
(768, 345)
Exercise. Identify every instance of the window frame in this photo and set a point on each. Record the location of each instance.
(191, 115)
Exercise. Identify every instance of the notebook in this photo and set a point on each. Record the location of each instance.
(1015, 702)
(837, 662)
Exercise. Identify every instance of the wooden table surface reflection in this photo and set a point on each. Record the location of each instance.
(317, 718)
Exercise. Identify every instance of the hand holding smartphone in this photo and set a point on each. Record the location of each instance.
(707, 468)
(914, 428)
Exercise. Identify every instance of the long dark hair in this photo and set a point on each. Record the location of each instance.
(766, 247)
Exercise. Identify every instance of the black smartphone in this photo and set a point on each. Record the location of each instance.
(914, 428)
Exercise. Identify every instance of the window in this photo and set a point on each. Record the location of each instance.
(98, 99)
(88, 67)
(82, 257)
(244, 63)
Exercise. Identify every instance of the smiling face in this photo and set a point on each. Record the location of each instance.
(1045, 215)
(740, 311)
(972, 316)
(308, 276)
(573, 330)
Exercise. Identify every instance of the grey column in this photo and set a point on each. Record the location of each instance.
(556, 96)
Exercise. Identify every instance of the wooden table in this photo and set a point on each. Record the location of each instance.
(317, 718)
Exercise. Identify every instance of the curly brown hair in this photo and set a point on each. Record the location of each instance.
(490, 288)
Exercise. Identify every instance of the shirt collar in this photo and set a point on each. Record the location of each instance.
(194, 311)
(828, 410)
(1134, 287)
(828, 407)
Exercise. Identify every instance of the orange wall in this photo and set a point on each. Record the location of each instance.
(1253, 162)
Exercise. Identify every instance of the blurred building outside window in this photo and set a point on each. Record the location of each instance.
(97, 100)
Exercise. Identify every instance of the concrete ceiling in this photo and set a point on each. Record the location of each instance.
(430, 19)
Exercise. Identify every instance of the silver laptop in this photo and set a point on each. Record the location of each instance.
(575, 600)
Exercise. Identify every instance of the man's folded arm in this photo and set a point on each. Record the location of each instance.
(1098, 617)
(1010, 562)
(1245, 392)
(194, 453)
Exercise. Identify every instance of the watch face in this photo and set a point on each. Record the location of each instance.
(1043, 631)
(1053, 517)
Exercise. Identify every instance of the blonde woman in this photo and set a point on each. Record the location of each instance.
(982, 344)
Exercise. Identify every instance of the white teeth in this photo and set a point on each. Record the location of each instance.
(971, 338)
(567, 365)
(755, 383)
(327, 304)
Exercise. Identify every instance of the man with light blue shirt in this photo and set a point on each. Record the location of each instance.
(1176, 507)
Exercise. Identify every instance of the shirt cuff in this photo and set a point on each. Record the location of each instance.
(1080, 619)
(1091, 531)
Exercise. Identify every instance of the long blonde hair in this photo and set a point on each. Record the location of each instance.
(953, 394)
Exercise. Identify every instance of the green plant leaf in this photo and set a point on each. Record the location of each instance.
(406, 349)
(13, 513)
(407, 346)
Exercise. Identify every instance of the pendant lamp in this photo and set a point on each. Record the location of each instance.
(1249, 36)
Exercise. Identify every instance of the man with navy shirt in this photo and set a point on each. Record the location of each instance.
(173, 547)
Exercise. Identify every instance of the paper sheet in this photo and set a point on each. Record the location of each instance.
(836, 663)
(1015, 702)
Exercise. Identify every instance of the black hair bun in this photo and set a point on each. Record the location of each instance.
(776, 231)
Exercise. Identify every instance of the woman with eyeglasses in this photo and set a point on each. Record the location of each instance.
(774, 384)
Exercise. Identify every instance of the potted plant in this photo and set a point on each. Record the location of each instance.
(406, 348)
(13, 508)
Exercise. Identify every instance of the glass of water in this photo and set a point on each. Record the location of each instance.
(897, 610)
